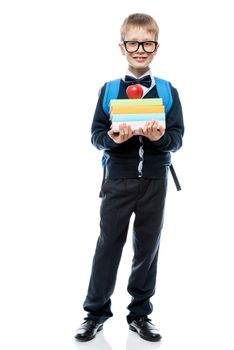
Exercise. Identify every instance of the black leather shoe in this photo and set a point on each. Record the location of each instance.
(88, 330)
(145, 329)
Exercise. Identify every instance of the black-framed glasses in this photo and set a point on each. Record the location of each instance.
(133, 46)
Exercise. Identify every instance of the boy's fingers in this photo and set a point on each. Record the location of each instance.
(161, 129)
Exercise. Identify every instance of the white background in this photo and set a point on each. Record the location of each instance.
(55, 55)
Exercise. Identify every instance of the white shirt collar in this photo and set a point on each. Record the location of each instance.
(145, 89)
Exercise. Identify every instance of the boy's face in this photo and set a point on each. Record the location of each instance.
(139, 61)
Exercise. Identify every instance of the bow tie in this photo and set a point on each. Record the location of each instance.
(145, 81)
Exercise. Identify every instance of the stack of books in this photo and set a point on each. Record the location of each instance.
(136, 112)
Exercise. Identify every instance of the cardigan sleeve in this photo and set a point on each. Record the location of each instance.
(171, 141)
(101, 125)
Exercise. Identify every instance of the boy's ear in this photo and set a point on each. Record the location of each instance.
(122, 48)
(156, 49)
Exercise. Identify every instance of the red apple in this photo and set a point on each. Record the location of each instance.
(134, 91)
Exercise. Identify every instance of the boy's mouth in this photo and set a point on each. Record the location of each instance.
(139, 58)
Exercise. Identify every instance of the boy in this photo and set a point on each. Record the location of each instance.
(135, 182)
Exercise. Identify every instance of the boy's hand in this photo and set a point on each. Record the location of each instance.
(125, 133)
(152, 131)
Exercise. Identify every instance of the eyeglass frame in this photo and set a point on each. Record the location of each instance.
(140, 43)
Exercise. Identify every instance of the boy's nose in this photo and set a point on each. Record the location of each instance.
(140, 48)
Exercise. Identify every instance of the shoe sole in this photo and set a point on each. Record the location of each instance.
(85, 340)
(145, 338)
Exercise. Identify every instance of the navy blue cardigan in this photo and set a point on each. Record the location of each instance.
(122, 160)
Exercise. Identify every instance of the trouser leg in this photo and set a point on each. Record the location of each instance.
(115, 213)
(146, 239)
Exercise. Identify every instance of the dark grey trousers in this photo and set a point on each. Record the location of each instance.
(121, 198)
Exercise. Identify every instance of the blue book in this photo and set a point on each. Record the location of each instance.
(122, 118)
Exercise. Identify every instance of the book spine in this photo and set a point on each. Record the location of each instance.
(136, 125)
(137, 117)
(136, 102)
(137, 109)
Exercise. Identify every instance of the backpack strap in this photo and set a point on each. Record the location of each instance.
(175, 178)
(164, 92)
(111, 92)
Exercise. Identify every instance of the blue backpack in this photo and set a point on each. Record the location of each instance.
(164, 92)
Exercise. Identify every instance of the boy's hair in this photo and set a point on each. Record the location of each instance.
(139, 20)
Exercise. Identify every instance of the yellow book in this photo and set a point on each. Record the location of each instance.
(136, 109)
